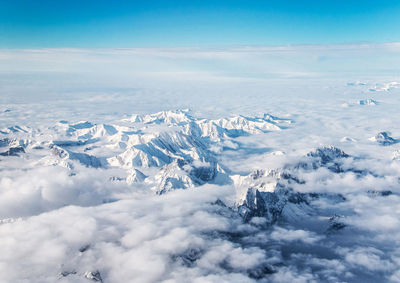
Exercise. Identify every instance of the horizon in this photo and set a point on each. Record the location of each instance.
(206, 47)
(199, 141)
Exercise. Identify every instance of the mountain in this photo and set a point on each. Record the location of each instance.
(172, 150)
(166, 150)
(270, 193)
(384, 139)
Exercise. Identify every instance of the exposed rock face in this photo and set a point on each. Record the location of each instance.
(329, 157)
(172, 150)
(308, 197)
(135, 176)
(13, 151)
(177, 149)
(94, 276)
(63, 156)
(384, 139)
(270, 194)
(370, 102)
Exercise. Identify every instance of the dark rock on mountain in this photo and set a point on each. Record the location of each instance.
(13, 151)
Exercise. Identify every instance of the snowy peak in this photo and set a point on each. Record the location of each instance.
(384, 139)
(63, 157)
(213, 129)
(270, 193)
(135, 176)
(166, 150)
(85, 130)
(327, 154)
(184, 174)
(396, 155)
(161, 150)
(166, 117)
(171, 177)
(236, 126)
(15, 130)
(369, 102)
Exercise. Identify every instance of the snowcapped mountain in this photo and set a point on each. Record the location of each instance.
(214, 130)
(135, 176)
(178, 146)
(271, 194)
(384, 139)
(172, 150)
(159, 155)
(91, 193)
(370, 102)
(64, 157)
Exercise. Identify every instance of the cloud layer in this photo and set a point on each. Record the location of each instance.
(63, 221)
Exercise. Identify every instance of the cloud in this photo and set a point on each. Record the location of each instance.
(281, 234)
(31, 191)
(369, 258)
(57, 224)
(145, 239)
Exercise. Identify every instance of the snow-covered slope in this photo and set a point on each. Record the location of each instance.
(271, 193)
(177, 189)
(168, 149)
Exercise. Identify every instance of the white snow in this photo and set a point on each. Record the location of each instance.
(161, 165)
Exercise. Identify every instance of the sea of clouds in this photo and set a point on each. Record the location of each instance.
(57, 227)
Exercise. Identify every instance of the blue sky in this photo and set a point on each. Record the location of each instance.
(101, 23)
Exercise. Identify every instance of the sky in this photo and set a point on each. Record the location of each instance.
(101, 23)
(63, 79)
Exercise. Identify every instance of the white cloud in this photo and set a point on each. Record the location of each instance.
(47, 216)
(281, 234)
